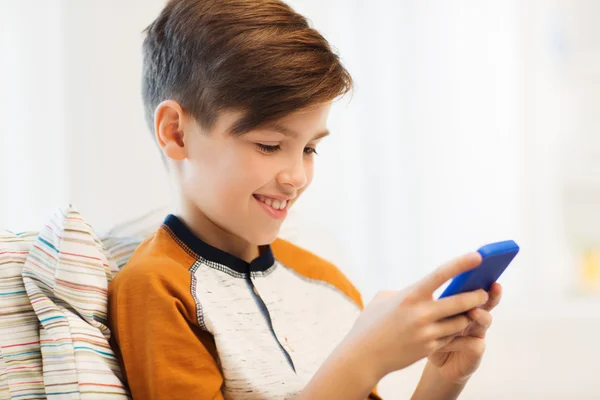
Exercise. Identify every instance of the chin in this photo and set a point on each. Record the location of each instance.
(264, 238)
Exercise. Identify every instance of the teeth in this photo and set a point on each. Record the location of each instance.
(276, 204)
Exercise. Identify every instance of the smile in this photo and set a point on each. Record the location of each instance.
(273, 203)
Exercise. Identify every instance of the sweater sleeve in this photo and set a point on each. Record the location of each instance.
(163, 351)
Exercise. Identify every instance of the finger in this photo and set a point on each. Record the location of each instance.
(450, 326)
(482, 320)
(495, 297)
(458, 304)
(441, 343)
(466, 345)
(448, 271)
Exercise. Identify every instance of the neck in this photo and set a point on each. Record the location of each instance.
(212, 234)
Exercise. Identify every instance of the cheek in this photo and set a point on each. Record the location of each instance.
(235, 175)
(256, 170)
(208, 177)
(310, 172)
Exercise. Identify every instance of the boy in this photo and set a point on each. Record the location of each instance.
(212, 305)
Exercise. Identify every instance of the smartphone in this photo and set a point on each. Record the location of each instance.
(496, 257)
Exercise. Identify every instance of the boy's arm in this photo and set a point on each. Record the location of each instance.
(164, 355)
(432, 386)
(344, 375)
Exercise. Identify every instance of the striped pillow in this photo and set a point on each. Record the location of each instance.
(20, 357)
(66, 277)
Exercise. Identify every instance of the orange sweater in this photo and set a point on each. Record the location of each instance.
(190, 321)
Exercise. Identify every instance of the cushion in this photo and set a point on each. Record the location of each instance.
(66, 277)
(20, 357)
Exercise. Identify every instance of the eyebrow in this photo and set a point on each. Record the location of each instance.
(288, 132)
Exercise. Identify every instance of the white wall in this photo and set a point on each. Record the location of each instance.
(32, 69)
(73, 126)
(429, 155)
(115, 168)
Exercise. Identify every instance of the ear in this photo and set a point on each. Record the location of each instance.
(168, 125)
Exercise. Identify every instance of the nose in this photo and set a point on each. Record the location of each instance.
(295, 174)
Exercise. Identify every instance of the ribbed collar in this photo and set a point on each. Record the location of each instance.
(263, 262)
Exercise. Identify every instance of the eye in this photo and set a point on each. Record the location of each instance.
(268, 149)
(310, 151)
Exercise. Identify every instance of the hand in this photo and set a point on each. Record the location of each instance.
(460, 358)
(399, 328)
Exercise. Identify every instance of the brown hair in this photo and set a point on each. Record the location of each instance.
(260, 57)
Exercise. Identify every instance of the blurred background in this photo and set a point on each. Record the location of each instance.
(472, 121)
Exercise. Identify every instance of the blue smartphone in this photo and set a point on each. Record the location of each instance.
(496, 257)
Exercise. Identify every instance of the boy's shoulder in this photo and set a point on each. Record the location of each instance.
(313, 267)
(157, 260)
(161, 261)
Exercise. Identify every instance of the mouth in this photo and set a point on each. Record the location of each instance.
(276, 204)
(276, 208)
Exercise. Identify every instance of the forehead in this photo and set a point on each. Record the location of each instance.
(310, 121)
(304, 121)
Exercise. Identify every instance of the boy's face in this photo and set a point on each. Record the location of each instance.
(245, 185)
